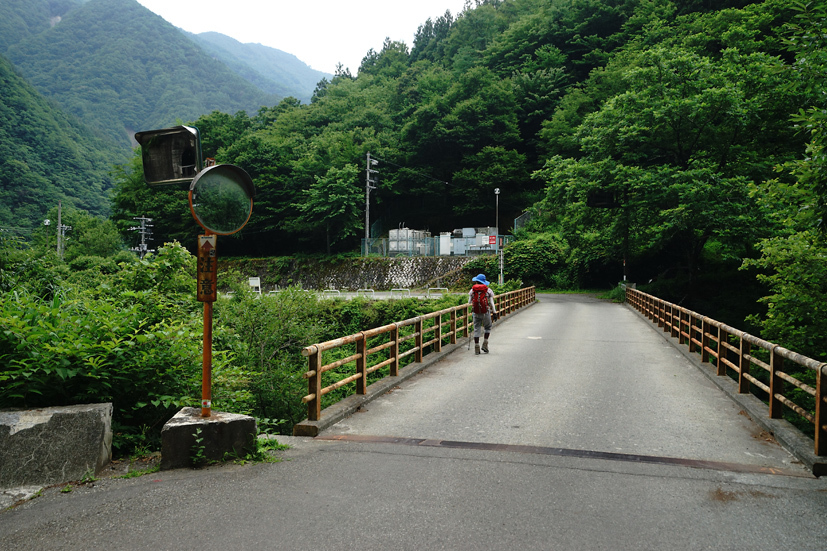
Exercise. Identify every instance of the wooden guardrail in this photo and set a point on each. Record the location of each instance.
(727, 347)
(410, 337)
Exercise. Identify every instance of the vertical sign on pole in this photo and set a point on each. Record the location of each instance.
(207, 291)
(207, 272)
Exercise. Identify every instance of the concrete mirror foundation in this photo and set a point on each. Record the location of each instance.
(190, 440)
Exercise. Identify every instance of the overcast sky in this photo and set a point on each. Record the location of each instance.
(322, 33)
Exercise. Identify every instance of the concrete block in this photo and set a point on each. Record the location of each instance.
(54, 445)
(222, 433)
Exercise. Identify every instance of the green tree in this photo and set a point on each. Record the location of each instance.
(333, 205)
(792, 262)
(676, 151)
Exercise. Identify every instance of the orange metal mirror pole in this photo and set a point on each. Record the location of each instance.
(207, 292)
(206, 375)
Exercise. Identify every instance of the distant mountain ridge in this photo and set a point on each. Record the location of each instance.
(272, 70)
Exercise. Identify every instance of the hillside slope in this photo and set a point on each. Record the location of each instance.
(47, 156)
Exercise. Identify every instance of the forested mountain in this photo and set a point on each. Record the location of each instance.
(23, 18)
(120, 68)
(114, 67)
(272, 70)
(47, 156)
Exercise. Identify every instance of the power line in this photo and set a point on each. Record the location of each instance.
(428, 176)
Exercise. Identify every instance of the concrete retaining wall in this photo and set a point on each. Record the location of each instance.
(54, 445)
(350, 274)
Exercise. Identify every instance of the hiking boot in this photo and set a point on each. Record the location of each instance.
(485, 346)
(476, 349)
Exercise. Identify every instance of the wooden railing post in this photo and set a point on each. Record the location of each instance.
(821, 410)
(438, 333)
(743, 366)
(675, 328)
(361, 363)
(705, 328)
(691, 332)
(314, 386)
(681, 336)
(661, 313)
(776, 384)
(394, 351)
(453, 326)
(418, 339)
(723, 351)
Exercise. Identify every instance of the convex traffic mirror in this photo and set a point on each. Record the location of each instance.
(221, 199)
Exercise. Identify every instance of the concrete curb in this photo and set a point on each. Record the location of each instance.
(790, 438)
(344, 408)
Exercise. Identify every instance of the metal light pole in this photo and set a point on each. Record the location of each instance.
(497, 194)
(499, 248)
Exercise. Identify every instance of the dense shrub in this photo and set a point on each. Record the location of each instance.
(63, 344)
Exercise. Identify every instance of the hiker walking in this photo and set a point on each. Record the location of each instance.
(482, 300)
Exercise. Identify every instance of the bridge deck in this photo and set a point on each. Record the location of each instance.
(576, 373)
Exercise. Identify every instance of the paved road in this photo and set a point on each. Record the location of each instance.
(583, 429)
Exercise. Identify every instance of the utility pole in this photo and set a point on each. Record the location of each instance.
(368, 187)
(59, 225)
(145, 231)
(61, 231)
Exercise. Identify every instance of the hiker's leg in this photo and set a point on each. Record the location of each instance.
(487, 325)
(478, 323)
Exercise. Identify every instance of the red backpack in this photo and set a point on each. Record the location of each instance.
(479, 298)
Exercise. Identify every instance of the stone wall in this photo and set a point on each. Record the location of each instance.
(54, 445)
(350, 274)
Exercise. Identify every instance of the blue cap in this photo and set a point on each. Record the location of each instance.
(481, 279)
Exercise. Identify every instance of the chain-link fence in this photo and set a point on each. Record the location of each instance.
(444, 245)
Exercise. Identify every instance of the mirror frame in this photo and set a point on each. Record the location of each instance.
(238, 176)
